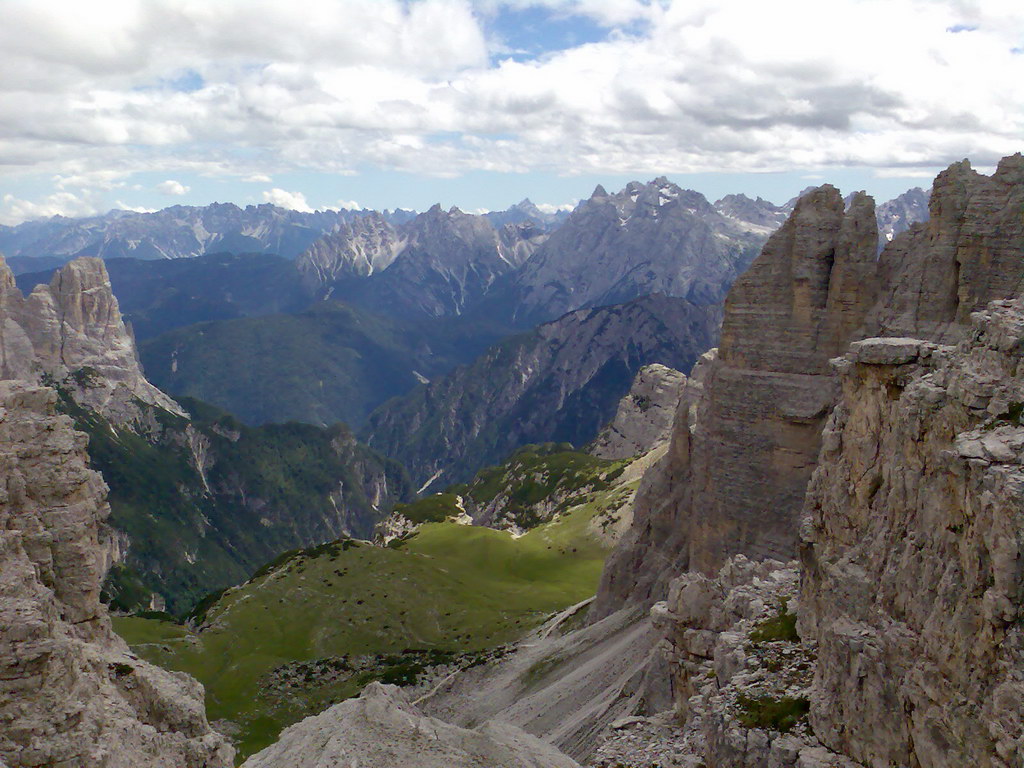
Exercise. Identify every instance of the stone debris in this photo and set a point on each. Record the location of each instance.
(381, 728)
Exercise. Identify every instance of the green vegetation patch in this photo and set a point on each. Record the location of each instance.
(537, 474)
(432, 509)
(779, 714)
(780, 627)
(451, 589)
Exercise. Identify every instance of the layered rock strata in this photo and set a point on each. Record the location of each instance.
(911, 547)
(733, 479)
(71, 693)
(72, 331)
(382, 728)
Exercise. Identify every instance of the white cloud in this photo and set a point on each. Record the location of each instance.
(295, 201)
(121, 206)
(171, 187)
(253, 89)
(14, 210)
(550, 208)
(349, 205)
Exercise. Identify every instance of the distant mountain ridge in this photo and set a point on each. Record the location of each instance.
(560, 382)
(172, 233)
(647, 238)
(440, 264)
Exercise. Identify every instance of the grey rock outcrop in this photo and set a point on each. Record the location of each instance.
(72, 332)
(381, 728)
(734, 476)
(643, 420)
(71, 693)
(911, 551)
(967, 254)
(741, 677)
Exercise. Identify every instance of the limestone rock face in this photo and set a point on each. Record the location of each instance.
(72, 331)
(967, 254)
(911, 549)
(359, 248)
(71, 693)
(643, 420)
(734, 477)
(381, 728)
(16, 355)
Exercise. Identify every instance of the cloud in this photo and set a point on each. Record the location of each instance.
(349, 205)
(133, 208)
(295, 201)
(14, 210)
(549, 208)
(252, 90)
(171, 187)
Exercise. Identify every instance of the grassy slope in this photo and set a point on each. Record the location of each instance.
(536, 483)
(449, 587)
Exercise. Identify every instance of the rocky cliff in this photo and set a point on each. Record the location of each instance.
(643, 419)
(911, 551)
(72, 331)
(967, 254)
(558, 383)
(747, 456)
(71, 693)
(745, 453)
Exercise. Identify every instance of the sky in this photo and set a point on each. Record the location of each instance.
(142, 104)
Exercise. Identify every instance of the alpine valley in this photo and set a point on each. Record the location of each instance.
(659, 481)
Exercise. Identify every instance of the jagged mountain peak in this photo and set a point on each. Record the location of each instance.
(652, 237)
(71, 331)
